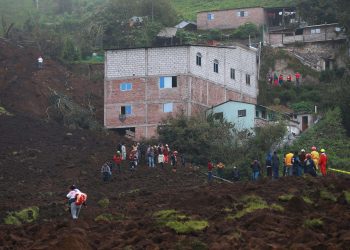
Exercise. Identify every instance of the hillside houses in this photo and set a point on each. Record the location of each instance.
(144, 85)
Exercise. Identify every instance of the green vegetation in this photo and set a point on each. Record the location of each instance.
(188, 8)
(313, 223)
(276, 207)
(326, 195)
(104, 203)
(329, 134)
(347, 196)
(251, 204)
(3, 111)
(187, 226)
(285, 197)
(246, 30)
(109, 217)
(180, 223)
(204, 138)
(26, 215)
(307, 200)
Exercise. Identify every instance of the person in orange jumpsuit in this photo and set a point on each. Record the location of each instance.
(323, 162)
(315, 156)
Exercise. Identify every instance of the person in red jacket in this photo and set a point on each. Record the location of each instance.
(323, 162)
(280, 79)
(117, 158)
(210, 171)
(289, 78)
(297, 78)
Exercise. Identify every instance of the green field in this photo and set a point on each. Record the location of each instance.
(187, 9)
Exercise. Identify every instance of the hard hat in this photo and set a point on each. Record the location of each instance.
(313, 148)
(303, 150)
(308, 156)
(322, 150)
(118, 152)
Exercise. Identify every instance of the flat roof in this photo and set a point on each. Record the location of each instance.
(254, 7)
(184, 45)
(320, 25)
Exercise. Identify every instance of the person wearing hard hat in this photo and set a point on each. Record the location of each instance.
(323, 162)
(289, 164)
(302, 158)
(315, 156)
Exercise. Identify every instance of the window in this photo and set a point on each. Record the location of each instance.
(216, 66)
(242, 113)
(242, 13)
(167, 107)
(315, 31)
(233, 74)
(125, 86)
(211, 16)
(263, 114)
(199, 59)
(257, 114)
(247, 79)
(125, 110)
(219, 116)
(167, 82)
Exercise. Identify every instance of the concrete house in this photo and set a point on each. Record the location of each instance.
(271, 18)
(247, 116)
(144, 85)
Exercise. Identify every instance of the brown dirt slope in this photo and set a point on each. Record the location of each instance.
(39, 160)
(25, 89)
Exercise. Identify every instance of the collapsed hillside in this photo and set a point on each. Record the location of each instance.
(27, 90)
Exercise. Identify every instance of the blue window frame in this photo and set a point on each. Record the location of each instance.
(125, 86)
(211, 16)
(167, 82)
(126, 110)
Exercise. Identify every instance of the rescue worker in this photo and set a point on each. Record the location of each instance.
(123, 151)
(75, 200)
(268, 163)
(323, 162)
(302, 158)
(40, 62)
(289, 78)
(310, 167)
(315, 156)
(289, 164)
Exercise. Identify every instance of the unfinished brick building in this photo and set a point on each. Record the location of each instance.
(144, 85)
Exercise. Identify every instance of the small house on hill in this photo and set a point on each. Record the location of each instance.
(187, 25)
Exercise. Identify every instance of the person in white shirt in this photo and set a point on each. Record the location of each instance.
(74, 209)
(40, 62)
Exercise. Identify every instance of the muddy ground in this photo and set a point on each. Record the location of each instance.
(39, 160)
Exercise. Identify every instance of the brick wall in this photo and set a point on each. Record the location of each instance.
(228, 19)
(198, 87)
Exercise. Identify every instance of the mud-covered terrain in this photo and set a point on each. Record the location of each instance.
(146, 209)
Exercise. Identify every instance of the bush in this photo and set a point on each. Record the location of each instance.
(187, 226)
(26, 215)
(285, 197)
(243, 31)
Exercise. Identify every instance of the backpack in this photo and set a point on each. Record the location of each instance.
(80, 199)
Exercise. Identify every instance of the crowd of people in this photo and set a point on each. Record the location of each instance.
(294, 164)
(276, 79)
(156, 155)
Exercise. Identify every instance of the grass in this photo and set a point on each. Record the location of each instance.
(103, 203)
(189, 8)
(307, 200)
(187, 226)
(313, 223)
(3, 111)
(26, 215)
(109, 217)
(252, 203)
(285, 197)
(276, 207)
(180, 223)
(326, 195)
(347, 196)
